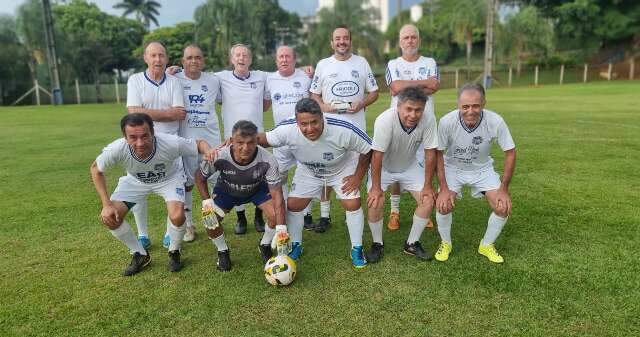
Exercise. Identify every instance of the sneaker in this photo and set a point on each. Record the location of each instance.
(429, 224)
(376, 252)
(490, 252)
(296, 250)
(258, 222)
(174, 261)
(322, 225)
(138, 262)
(357, 257)
(265, 252)
(443, 251)
(144, 241)
(224, 261)
(308, 222)
(416, 250)
(394, 221)
(166, 241)
(241, 225)
(189, 234)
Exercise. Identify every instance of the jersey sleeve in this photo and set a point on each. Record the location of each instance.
(278, 136)
(207, 169)
(178, 96)
(316, 83)
(134, 97)
(390, 73)
(443, 137)
(381, 135)
(187, 147)
(273, 175)
(372, 85)
(504, 137)
(109, 157)
(359, 141)
(433, 70)
(430, 137)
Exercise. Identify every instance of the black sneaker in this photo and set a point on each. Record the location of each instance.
(224, 261)
(265, 252)
(138, 262)
(308, 222)
(416, 250)
(322, 225)
(376, 252)
(258, 221)
(174, 261)
(241, 225)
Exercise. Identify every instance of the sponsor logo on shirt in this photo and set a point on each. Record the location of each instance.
(204, 88)
(297, 84)
(229, 172)
(328, 156)
(355, 74)
(345, 89)
(477, 140)
(253, 85)
(196, 99)
(422, 71)
(150, 177)
(277, 96)
(407, 72)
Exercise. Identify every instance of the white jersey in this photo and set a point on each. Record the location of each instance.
(345, 81)
(326, 156)
(149, 94)
(400, 69)
(200, 97)
(242, 98)
(400, 144)
(469, 149)
(161, 165)
(285, 92)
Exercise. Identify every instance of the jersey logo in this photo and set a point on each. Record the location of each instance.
(477, 140)
(297, 84)
(397, 73)
(159, 167)
(204, 88)
(255, 174)
(180, 191)
(345, 89)
(328, 156)
(333, 75)
(407, 72)
(277, 96)
(196, 99)
(187, 87)
(422, 71)
(253, 85)
(355, 74)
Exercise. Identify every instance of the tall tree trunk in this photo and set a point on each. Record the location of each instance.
(519, 66)
(469, 46)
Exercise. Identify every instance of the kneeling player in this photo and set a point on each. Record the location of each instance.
(247, 173)
(466, 135)
(398, 133)
(150, 162)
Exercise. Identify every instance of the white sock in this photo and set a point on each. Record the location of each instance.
(376, 231)
(188, 207)
(494, 227)
(307, 210)
(220, 243)
(443, 223)
(394, 199)
(325, 208)
(140, 214)
(176, 234)
(268, 235)
(355, 224)
(126, 236)
(295, 222)
(416, 229)
(239, 208)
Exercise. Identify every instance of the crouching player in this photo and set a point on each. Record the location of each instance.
(247, 173)
(150, 162)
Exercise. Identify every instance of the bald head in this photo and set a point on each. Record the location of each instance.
(155, 56)
(286, 60)
(409, 40)
(193, 61)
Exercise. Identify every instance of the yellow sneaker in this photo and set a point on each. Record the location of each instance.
(490, 252)
(394, 221)
(443, 251)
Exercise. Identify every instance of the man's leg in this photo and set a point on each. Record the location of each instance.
(420, 218)
(295, 220)
(190, 231)
(325, 211)
(394, 200)
(264, 247)
(496, 222)
(375, 215)
(176, 218)
(140, 214)
(241, 224)
(355, 225)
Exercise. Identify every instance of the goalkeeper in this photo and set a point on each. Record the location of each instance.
(247, 173)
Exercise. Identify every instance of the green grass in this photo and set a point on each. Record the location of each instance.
(571, 245)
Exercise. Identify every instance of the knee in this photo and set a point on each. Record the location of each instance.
(351, 204)
(295, 206)
(177, 219)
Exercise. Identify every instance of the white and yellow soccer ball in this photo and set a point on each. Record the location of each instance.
(280, 270)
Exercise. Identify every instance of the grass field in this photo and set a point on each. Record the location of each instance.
(571, 246)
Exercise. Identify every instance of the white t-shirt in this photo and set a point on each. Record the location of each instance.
(469, 149)
(326, 156)
(149, 94)
(400, 69)
(400, 144)
(160, 166)
(200, 99)
(242, 98)
(285, 92)
(345, 81)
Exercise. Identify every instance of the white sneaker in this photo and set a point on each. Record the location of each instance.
(189, 234)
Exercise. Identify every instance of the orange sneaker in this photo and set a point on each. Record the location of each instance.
(429, 224)
(394, 221)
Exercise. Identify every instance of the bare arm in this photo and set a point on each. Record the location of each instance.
(278, 204)
(429, 169)
(324, 107)
(430, 85)
(161, 115)
(445, 201)
(201, 183)
(509, 168)
(109, 215)
(376, 196)
(357, 106)
(266, 104)
(262, 140)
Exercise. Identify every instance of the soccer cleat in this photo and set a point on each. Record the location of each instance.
(394, 221)
(296, 250)
(224, 261)
(241, 225)
(322, 225)
(138, 262)
(144, 241)
(258, 222)
(444, 249)
(174, 261)
(490, 252)
(166, 241)
(308, 222)
(189, 234)
(416, 250)
(429, 224)
(357, 257)
(376, 252)
(265, 252)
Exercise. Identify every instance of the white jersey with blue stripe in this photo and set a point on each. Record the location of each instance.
(326, 156)
(200, 95)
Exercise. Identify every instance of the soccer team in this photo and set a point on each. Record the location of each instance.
(172, 142)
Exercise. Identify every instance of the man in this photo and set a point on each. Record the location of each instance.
(399, 133)
(464, 145)
(150, 161)
(247, 173)
(322, 147)
(410, 69)
(153, 93)
(339, 86)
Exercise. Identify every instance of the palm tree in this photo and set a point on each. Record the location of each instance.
(145, 10)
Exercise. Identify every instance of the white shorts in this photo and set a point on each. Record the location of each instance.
(411, 180)
(479, 181)
(304, 186)
(129, 189)
(284, 157)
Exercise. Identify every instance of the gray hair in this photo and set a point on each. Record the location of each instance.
(473, 87)
(245, 128)
(295, 56)
(238, 45)
(192, 45)
(308, 105)
(408, 25)
(414, 94)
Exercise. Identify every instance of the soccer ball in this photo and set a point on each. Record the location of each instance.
(280, 270)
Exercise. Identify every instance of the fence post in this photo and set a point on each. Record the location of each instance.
(632, 68)
(584, 75)
(535, 79)
(37, 87)
(77, 92)
(457, 74)
(510, 75)
(609, 72)
(117, 91)
(561, 74)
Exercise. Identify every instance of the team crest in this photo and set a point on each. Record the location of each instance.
(355, 74)
(277, 96)
(159, 167)
(328, 156)
(204, 88)
(477, 140)
(297, 84)
(253, 85)
(422, 71)
(255, 174)
(180, 191)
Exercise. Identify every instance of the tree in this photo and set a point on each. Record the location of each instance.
(30, 31)
(14, 71)
(145, 10)
(174, 39)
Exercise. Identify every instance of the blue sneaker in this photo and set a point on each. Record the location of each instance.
(357, 257)
(166, 241)
(144, 241)
(296, 250)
